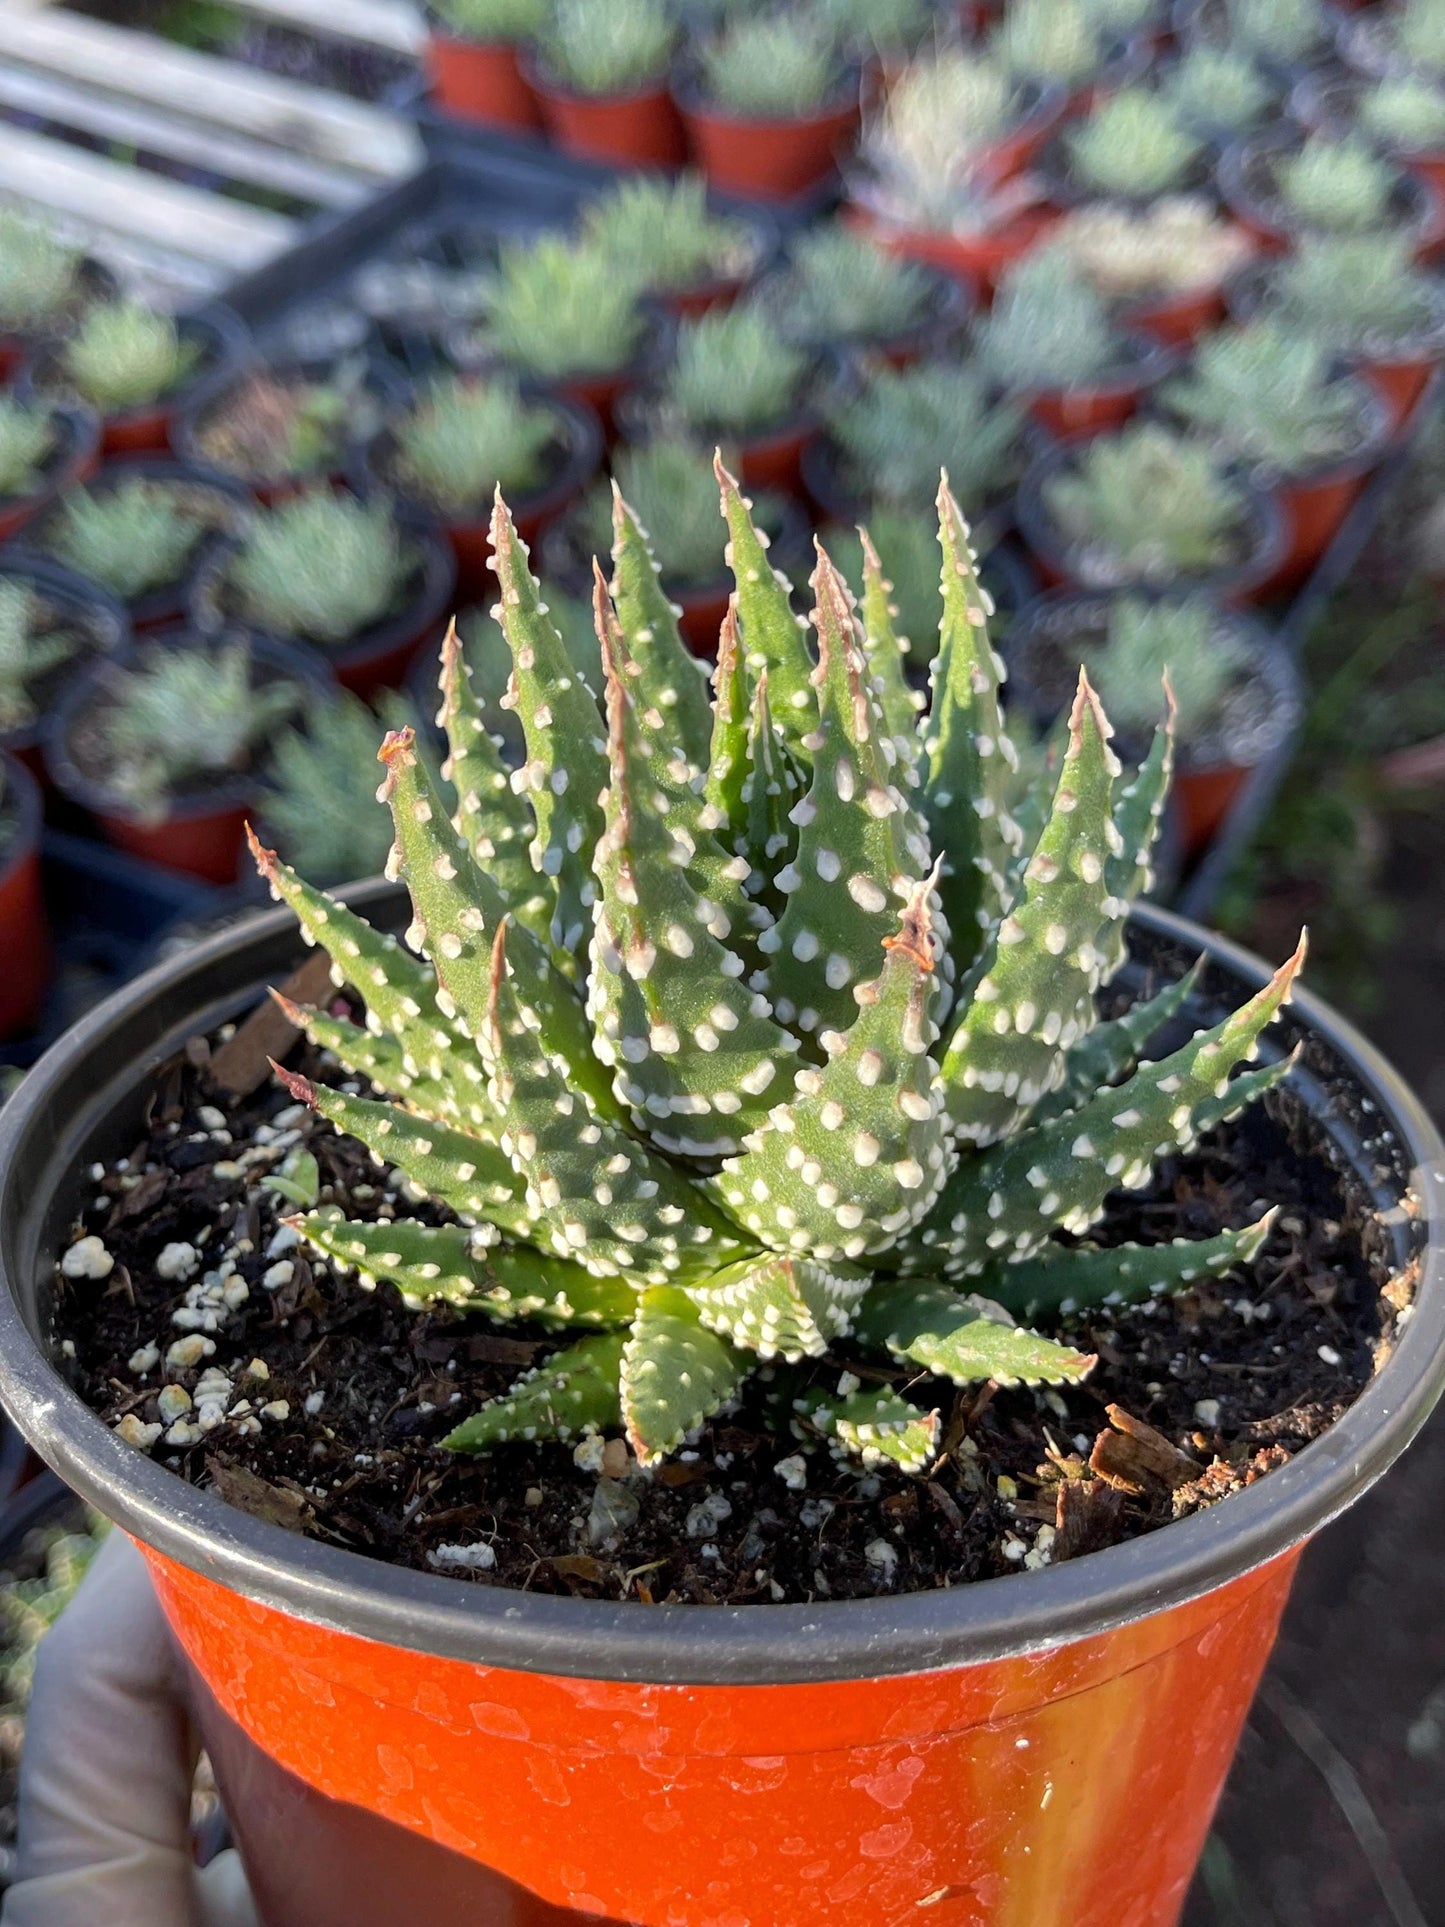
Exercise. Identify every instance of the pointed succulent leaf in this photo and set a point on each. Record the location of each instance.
(780, 1307)
(576, 1391)
(1035, 998)
(1004, 1204)
(385, 1063)
(859, 844)
(1138, 814)
(887, 656)
(1220, 1107)
(727, 766)
(670, 678)
(600, 1197)
(971, 757)
(694, 1050)
(675, 1373)
(1111, 1051)
(928, 1324)
(1065, 1278)
(566, 764)
(859, 1152)
(773, 637)
(876, 1425)
(773, 785)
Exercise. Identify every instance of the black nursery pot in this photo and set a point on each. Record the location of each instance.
(74, 458)
(1246, 181)
(98, 620)
(432, 1725)
(95, 282)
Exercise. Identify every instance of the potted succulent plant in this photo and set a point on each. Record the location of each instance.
(672, 245)
(672, 487)
(1150, 507)
(1220, 93)
(1364, 298)
(878, 35)
(44, 285)
(140, 531)
(1267, 395)
(600, 75)
(166, 744)
(462, 438)
(1164, 268)
(137, 368)
(1069, 44)
(24, 939)
(473, 62)
(277, 428)
(43, 450)
(337, 573)
(691, 1245)
(768, 104)
(50, 623)
(1234, 689)
(1403, 114)
(1051, 342)
(1133, 147)
(838, 289)
(939, 166)
(735, 377)
(1404, 39)
(1284, 190)
(560, 315)
(1283, 36)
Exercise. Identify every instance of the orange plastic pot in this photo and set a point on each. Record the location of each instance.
(1201, 800)
(979, 259)
(1178, 320)
(642, 129)
(1092, 408)
(767, 160)
(1400, 381)
(24, 939)
(1315, 505)
(480, 80)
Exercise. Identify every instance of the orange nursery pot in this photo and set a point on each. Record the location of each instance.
(641, 129)
(1038, 1750)
(24, 939)
(767, 160)
(480, 80)
(979, 258)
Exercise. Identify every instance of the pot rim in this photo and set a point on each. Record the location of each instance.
(67, 1097)
(82, 602)
(695, 103)
(1419, 214)
(78, 448)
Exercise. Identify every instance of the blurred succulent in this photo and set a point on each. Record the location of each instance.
(1407, 113)
(1058, 41)
(1287, 31)
(490, 661)
(464, 435)
(181, 713)
(928, 137)
(1120, 17)
(133, 537)
(124, 355)
(906, 551)
(1356, 290)
(1049, 327)
(39, 273)
(903, 425)
(1420, 34)
(610, 47)
(31, 646)
(1175, 244)
(1133, 143)
(271, 427)
(672, 489)
(1189, 640)
(320, 567)
(782, 66)
(492, 20)
(1266, 392)
(27, 440)
(884, 26)
(662, 237)
(837, 286)
(734, 373)
(1146, 504)
(1217, 90)
(30, 1607)
(559, 307)
(1337, 184)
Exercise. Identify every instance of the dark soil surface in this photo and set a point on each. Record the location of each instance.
(333, 1401)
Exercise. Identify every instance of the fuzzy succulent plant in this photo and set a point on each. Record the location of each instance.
(1057, 41)
(132, 537)
(1049, 327)
(464, 436)
(1286, 31)
(883, 26)
(125, 355)
(927, 138)
(1337, 185)
(1268, 393)
(800, 1050)
(902, 424)
(32, 646)
(1146, 504)
(1217, 90)
(492, 20)
(1177, 243)
(182, 713)
(39, 274)
(559, 307)
(670, 483)
(1420, 35)
(1186, 640)
(735, 373)
(1355, 290)
(27, 439)
(1405, 112)
(1133, 144)
(783, 66)
(273, 427)
(837, 286)
(663, 238)
(610, 47)
(321, 567)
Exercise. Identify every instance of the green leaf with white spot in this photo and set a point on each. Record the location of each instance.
(877, 1426)
(1138, 817)
(727, 766)
(670, 678)
(1110, 1051)
(1221, 1107)
(675, 1374)
(887, 655)
(931, 1326)
(387, 1064)
(773, 785)
(1064, 1278)
(780, 1306)
(773, 638)
(576, 1391)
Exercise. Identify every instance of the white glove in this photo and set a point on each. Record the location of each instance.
(105, 1782)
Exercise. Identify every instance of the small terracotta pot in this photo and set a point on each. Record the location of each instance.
(642, 129)
(480, 80)
(201, 835)
(97, 618)
(1315, 505)
(1177, 320)
(74, 460)
(1016, 150)
(979, 259)
(24, 939)
(1243, 181)
(1094, 407)
(768, 160)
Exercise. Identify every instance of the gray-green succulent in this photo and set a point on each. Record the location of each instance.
(830, 1063)
(1134, 143)
(902, 424)
(33, 644)
(1356, 291)
(125, 355)
(39, 273)
(1049, 327)
(558, 307)
(1217, 90)
(782, 66)
(1406, 112)
(1286, 31)
(610, 47)
(1185, 639)
(493, 20)
(1059, 41)
(464, 436)
(320, 567)
(734, 373)
(669, 483)
(1337, 185)
(27, 440)
(661, 236)
(1147, 504)
(134, 536)
(837, 286)
(1267, 392)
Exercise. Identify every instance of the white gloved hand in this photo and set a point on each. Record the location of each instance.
(105, 1782)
